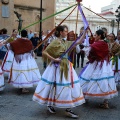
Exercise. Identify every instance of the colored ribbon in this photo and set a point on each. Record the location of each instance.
(85, 27)
(96, 14)
(54, 30)
(83, 17)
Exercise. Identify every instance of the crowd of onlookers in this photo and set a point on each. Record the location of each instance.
(33, 36)
(35, 39)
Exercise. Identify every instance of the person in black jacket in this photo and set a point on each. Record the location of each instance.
(35, 40)
(81, 54)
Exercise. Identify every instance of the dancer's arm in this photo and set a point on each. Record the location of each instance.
(81, 38)
(50, 57)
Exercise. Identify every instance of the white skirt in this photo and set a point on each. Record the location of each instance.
(25, 72)
(117, 74)
(8, 60)
(2, 85)
(98, 82)
(64, 95)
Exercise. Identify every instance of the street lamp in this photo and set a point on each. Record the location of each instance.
(40, 32)
(117, 14)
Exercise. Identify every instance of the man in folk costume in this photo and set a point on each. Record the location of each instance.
(24, 71)
(59, 85)
(1, 76)
(114, 49)
(97, 80)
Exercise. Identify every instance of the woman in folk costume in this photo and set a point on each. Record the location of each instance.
(1, 77)
(24, 71)
(118, 55)
(97, 80)
(114, 49)
(8, 59)
(59, 85)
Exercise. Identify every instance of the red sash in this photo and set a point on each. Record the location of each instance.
(21, 46)
(99, 52)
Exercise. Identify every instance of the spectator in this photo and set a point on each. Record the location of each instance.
(82, 53)
(4, 31)
(35, 40)
(3, 37)
(30, 35)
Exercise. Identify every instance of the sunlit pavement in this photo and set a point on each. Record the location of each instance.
(21, 107)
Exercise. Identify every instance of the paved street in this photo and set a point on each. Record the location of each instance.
(21, 107)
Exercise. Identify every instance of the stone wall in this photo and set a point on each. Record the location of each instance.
(30, 10)
(32, 13)
(7, 22)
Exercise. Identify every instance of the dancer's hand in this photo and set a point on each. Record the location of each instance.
(57, 60)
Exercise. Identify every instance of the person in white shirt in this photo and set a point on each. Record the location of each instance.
(30, 35)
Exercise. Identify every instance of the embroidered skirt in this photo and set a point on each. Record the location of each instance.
(25, 72)
(117, 72)
(62, 93)
(98, 82)
(8, 60)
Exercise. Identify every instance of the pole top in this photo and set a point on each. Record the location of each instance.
(78, 1)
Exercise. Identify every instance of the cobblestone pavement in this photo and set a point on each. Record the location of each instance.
(21, 107)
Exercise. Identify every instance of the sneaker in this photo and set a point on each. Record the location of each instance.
(71, 114)
(51, 109)
(104, 105)
(19, 91)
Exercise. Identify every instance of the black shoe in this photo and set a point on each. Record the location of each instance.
(19, 92)
(71, 114)
(51, 109)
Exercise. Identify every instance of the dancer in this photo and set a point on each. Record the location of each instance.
(2, 85)
(3, 37)
(97, 80)
(114, 49)
(24, 72)
(8, 59)
(118, 54)
(59, 85)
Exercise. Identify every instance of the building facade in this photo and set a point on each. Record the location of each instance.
(112, 7)
(30, 13)
(95, 22)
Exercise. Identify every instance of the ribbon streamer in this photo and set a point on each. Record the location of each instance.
(85, 27)
(54, 30)
(83, 17)
(96, 14)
